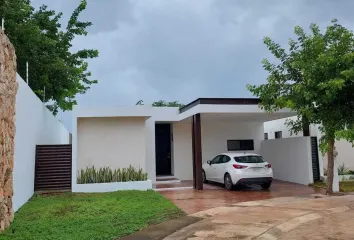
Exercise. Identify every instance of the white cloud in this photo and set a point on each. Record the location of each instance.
(183, 49)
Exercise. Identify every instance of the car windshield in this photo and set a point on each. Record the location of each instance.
(249, 159)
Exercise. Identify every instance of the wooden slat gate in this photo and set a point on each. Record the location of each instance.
(53, 168)
(315, 163)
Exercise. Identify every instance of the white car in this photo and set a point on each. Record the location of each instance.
(238, 168)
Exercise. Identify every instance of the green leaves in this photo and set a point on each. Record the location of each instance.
(315, 78)
(163, 103)
(105, 174)
(39, 39)
(316, 68)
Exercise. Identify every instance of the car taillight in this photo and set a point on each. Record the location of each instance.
(237, 166)
(268, 165)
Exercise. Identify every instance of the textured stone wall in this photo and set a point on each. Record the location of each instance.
(8, 90)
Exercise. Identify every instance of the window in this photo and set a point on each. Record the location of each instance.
(278, 134)
(249, 159)
(226, 159)
(240, 145)
(265, 136)
(218, 159)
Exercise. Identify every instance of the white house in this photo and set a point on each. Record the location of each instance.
(173, 141)
(277, 128)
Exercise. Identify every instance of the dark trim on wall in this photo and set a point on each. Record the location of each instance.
(221, 101)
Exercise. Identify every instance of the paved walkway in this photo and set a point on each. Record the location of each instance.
(192, 201)
(282, 218)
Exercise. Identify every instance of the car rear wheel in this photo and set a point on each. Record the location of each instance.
(204, 177)
(228, 182)
(266, 185)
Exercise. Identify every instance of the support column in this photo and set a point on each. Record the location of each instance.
(193, 152)
(197, 152)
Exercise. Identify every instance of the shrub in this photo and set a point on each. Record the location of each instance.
(106, 174)
(343, 170)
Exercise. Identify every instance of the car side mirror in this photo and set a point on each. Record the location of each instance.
(209, 162)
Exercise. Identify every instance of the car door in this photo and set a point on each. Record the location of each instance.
(221, 168)
(213, 168)
(217, 168)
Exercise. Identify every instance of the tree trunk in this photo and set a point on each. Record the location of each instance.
(305, 127)
(8, 89)
(330, 166)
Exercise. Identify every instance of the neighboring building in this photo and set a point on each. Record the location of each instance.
(345, 150)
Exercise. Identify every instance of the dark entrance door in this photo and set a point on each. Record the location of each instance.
(163, 148)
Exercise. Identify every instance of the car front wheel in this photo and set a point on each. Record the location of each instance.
(228, 182)
(204, 177)
(266, 185)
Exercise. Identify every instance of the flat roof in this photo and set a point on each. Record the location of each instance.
(220, 101)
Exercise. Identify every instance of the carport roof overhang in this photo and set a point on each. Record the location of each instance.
(236, 109)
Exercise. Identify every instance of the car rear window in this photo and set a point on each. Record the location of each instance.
(249, 159)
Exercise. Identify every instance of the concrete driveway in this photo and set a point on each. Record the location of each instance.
(192, 201)
(279, 218)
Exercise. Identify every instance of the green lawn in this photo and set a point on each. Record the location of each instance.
(346, 186)
(89, 216)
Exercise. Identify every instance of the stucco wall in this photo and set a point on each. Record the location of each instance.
(182, 150)
(150, 149)
(216, 133)
(344, 148)
(290, 158)
(279, 125)
(111, 141)
(35, 124)
(345, 155)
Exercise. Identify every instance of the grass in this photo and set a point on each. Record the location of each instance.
(89, 216)
(346, 186)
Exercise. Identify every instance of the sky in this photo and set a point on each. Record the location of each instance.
(185, 49)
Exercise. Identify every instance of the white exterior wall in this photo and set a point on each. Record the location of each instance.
(290, 158)
(345, 149)
(150, 149)
(114, 142)
(345, 155)
(182, 150)
(279, 125)
(35, 125)
(216, 134)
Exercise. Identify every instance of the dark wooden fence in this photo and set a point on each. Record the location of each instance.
(53, 168)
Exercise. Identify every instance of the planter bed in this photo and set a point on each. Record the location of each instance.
(112, 187)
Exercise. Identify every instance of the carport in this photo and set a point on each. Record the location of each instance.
(215, 122)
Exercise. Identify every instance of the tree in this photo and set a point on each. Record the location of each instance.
(39, 40)
(140, 102)
(163, 103)
(315, 78)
